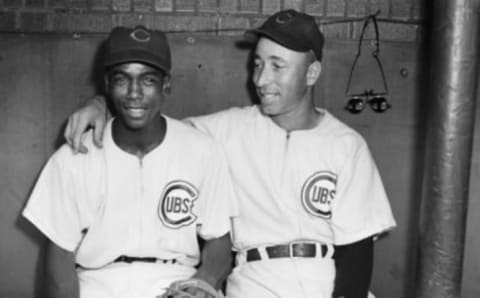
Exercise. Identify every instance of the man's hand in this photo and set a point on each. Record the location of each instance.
(93, 114)
(191, 288)
(206, 282)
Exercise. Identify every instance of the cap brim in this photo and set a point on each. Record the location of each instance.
(135, 55)
(254, 35)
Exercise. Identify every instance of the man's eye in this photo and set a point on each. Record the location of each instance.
(256, 64)
(277, 66)
(119, 80)
(150, 80)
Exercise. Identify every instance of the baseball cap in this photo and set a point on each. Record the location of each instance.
(137, 45)
(292, 29)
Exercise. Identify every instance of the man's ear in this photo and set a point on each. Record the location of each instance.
(166, 85)
(313, 72)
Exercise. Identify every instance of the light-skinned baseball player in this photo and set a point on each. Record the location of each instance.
(123, 221)
(311, 200)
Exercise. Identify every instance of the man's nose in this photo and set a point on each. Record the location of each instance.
(134, 91)
(261, 77)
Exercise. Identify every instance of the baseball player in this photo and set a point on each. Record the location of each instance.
(123, 220)
(311, 199)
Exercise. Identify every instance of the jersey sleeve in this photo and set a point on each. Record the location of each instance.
(361, 208)
(218, 201)
(52, 206)
(217, 125)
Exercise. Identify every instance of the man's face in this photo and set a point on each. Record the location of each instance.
(280, 77)
(136, 90)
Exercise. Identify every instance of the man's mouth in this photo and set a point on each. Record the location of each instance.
(135, 112)
(267, 96)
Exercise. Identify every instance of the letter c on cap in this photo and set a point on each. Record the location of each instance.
(140, 35)
(284, 18)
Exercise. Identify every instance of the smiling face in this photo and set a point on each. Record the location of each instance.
(137, 92)
(282, 77)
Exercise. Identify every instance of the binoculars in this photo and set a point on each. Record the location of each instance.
(377, 102)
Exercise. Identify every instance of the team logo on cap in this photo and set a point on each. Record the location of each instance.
(140, 35)
(284, 18)
(318, 192)
(175, 208)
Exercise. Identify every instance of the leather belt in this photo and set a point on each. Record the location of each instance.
(296, 249)
(127, 259)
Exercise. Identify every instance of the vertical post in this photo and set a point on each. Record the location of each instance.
(452, 92)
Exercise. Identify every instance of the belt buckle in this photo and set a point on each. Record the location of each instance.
(317, 248)
(291, 247)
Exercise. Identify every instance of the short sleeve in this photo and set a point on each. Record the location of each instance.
(52, 206)
(218, 201)
(209, 124)
(360, 208)
(220, 124)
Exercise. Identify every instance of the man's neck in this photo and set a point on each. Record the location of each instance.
(139, 141)
(305, 116)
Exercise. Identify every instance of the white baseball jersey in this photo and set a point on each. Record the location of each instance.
(109, 203)
(319, 184)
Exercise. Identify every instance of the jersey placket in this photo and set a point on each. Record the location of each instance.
(288, 183)
(288, 197)
(139, 191)
(140, 201)
(284, 170)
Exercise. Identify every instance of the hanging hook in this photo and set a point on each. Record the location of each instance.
(376, 100)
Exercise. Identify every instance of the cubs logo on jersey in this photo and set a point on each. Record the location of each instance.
(175, 207)
(318, 192)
